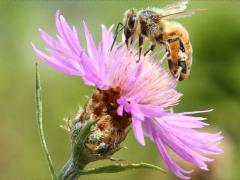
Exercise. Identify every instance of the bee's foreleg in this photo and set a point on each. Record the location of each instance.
(127, 34)
(152, 47)
(140, 39)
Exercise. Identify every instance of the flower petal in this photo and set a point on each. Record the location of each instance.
(138, 131)
(177, 170)
(56, 63)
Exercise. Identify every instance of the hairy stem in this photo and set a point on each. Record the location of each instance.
(40, 124)
(78, 159)
(70, 171)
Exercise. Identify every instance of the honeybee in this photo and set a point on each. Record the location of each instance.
(152, 24)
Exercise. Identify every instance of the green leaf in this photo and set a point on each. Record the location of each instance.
(120, 167)
(40, 124)
(85, 131)
(82, 135)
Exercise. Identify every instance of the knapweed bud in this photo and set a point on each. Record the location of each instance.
(109, 130)
(96, 131)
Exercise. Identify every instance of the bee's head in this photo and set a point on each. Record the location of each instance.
(130, 19)
(130, 22)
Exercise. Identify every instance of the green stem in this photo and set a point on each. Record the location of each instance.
(78, 160)
(114, 168)
(40, 124)
(70, 171)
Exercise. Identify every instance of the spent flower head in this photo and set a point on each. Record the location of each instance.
(127, 91)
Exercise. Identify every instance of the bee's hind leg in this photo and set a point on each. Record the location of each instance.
(181, 46)
(182, 68)
(178, 73)
(152, 47)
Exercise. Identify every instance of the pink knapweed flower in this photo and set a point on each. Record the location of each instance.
(147, 92)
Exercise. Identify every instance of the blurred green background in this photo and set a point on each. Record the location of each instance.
(214, 83)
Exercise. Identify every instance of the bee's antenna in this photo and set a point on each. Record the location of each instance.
(117, 31)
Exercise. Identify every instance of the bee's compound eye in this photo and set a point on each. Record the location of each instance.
(131, 22)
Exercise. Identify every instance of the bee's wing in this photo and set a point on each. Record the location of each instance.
(173, 8)
(174, 11)
(179, 15)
